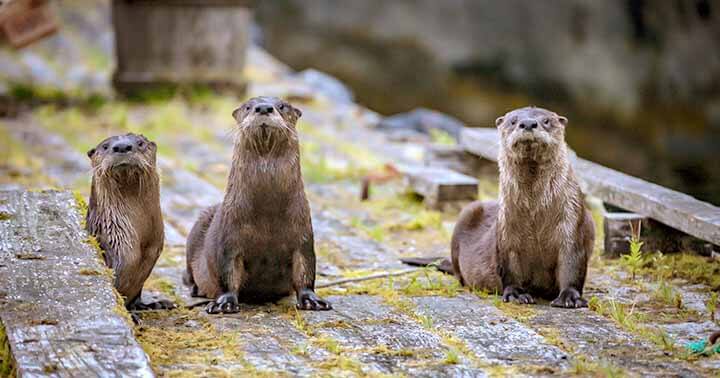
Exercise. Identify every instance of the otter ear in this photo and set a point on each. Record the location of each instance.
(152, 144)
(298, 112)
(563, 121)
(499, 121)
(236, 113)
(91, 153)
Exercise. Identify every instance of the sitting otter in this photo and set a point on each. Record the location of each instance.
(538, 238)
(124, 213)
(257, 245)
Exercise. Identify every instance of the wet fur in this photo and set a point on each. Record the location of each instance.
(539, 236)
(124, 215)
(257, 243)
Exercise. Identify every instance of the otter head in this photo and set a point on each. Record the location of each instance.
(266, 122)
(123, 157)
(531, 133)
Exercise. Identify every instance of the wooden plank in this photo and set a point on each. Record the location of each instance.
(439, 185)
(675, 209)
(59, 311)
(455, 158)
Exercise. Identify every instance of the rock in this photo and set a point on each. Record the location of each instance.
(423, 120)
(327, 85)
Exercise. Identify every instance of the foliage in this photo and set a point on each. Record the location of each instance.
(635, 260)
(668, 295)
(712, 304)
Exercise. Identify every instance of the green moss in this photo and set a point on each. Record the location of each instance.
(442, 137)
(375, 232)
(177, 345)
(523, 313)
(667, 295)
(452, 357)
(95, 245)
(162, 285)
(7, 362)
(583, 366)
(89, 272)
(5, 216)
(424, 219)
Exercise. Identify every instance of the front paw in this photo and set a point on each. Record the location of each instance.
(225, 304)
(157, 305)
(308, 300)
(517, 295)
(569, 298)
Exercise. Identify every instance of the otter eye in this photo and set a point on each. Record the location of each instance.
(513, 122)
(281, 107)
(140, 143)
(106, 146)
(546, 121)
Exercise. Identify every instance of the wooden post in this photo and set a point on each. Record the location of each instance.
(181, 42)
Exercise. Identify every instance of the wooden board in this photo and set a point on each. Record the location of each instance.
(675, 209)
(438, 185)
(180, 42)
(58, 308)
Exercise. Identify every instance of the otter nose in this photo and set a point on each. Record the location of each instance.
(528, 125)
(122, 147)
(264, 109)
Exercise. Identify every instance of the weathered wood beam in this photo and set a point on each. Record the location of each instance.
(654, 235)
(60, 314)
(439, 185)
(675, 209)
(455, 158)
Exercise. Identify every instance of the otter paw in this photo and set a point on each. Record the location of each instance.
(224, 304)
(569, 298)
(517, 295)
(308, 300)
(158, 305)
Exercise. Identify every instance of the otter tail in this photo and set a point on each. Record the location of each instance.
(441, 263)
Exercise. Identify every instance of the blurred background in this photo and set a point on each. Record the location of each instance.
(639, 80)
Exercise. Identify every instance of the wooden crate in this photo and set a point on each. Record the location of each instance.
(178, 42)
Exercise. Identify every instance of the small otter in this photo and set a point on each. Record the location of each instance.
(124, 213)
(257, 245)
(538, 238)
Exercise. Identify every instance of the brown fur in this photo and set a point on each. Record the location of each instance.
(257, 245)
(124, 212)
(537, 239)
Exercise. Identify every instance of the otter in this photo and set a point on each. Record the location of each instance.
(124, 213)
(537, 239)
(257, 244)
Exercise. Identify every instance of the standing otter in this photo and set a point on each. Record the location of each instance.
(257, 245)
(124, 213)
(538, 238)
